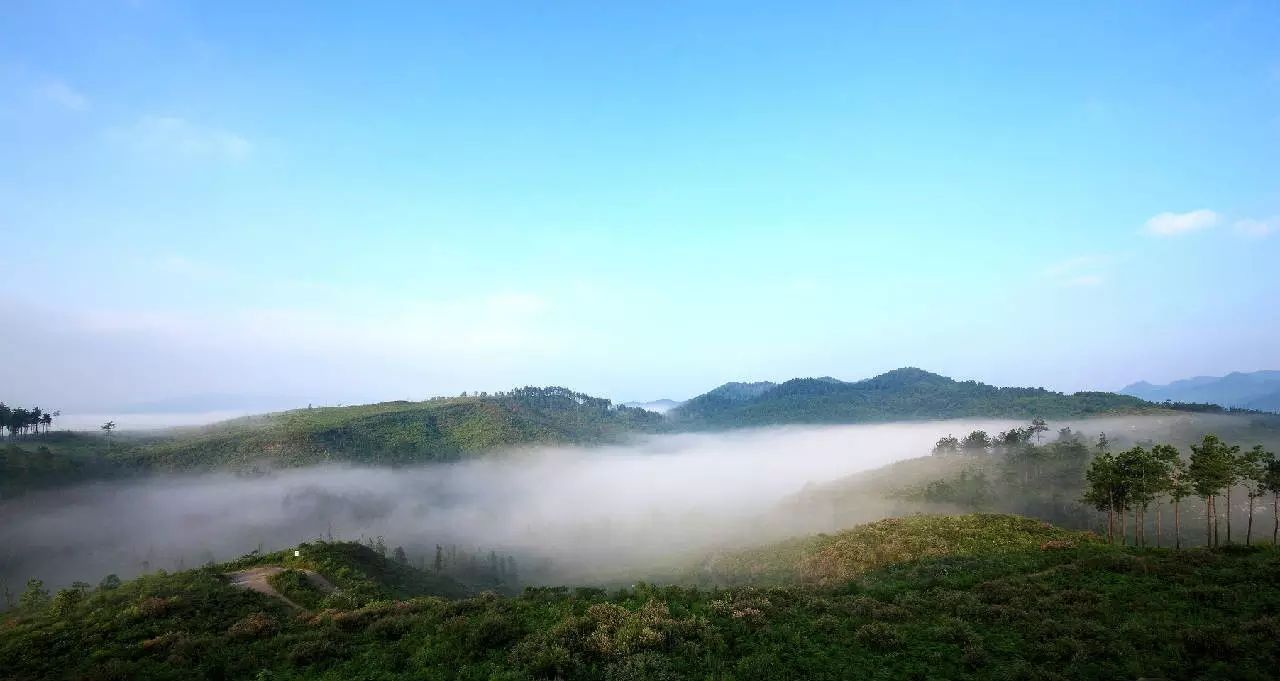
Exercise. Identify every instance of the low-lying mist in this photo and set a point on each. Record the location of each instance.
(587, 514)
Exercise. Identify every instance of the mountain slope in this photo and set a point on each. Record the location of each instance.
(900, 394)
(395, 432)
(1257, 390)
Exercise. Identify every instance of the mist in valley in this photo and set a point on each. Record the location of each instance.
(570, 514)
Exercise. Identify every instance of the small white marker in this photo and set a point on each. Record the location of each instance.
(297, 553)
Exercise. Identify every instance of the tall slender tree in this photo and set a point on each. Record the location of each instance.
(1253, 473)
(1210, 471)
(1147, 477)
(1176, 486)
(1236, 467)
(1103, 491)
(1271, 482)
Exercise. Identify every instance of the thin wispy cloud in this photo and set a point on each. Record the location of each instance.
(1080, 271)
(174, 136)
(1173, 224)
(60, 94)
(1258, 228)
(1085, 280)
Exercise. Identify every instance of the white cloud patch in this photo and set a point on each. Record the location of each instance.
(173, 136)
(62, 95)
(1258, 228)
(1173, 224)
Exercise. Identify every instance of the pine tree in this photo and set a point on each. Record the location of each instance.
(1210, 471)
(1252, 469)
(1176, 486)
(1270, 466)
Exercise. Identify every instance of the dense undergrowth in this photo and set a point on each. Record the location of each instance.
(1020, 601)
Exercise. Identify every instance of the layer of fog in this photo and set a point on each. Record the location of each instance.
(592, 513)
(126, 421)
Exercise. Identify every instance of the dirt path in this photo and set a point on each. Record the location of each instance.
(255, 579)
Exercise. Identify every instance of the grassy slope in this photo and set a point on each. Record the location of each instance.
(828, 559)
(999, 610)
(386, 433)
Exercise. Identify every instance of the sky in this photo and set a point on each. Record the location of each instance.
(296, 202)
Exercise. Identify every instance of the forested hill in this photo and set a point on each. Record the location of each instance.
(441, 429)
(900, 394)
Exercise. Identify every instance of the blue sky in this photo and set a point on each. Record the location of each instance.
(638, 200)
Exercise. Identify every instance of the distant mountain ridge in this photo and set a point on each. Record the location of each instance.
(1258, 390)
(661, 406)
(902, 394)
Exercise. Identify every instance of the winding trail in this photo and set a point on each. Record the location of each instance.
(256, 579)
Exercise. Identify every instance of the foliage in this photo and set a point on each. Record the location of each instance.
(900, 394)
(843, 556)
(20, 421)
(1058, 610)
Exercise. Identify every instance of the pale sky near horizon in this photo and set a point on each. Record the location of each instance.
(635, 200)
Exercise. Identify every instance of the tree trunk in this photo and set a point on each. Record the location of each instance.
(1111, 525)
(1144, 525)
(1208, 525)
(1216, 520)
(1228, 514)
(1111, 517)
(1177, 526)
(1158, 526)
(1275, 511)
(1248, 533)
(1208, 522)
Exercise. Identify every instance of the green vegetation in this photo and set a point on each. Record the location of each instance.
(361, 573)
(979, 597)
(830, 559)
(1145, 493)
(448, 429)
(397, 432)
(20, 421)
(1137, 478)
(901, 394)
(388, 433)
(296, 586)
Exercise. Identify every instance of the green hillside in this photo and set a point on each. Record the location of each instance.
(901, 394)
(980, 597)
(830, 559)
(395, 432)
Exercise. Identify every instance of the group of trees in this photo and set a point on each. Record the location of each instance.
(1131, 482)
(21, 421)
(471, 567)
(979, 442)
(1011, 471)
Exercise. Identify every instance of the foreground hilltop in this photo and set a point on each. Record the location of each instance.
(970, 597)
(901, 394)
